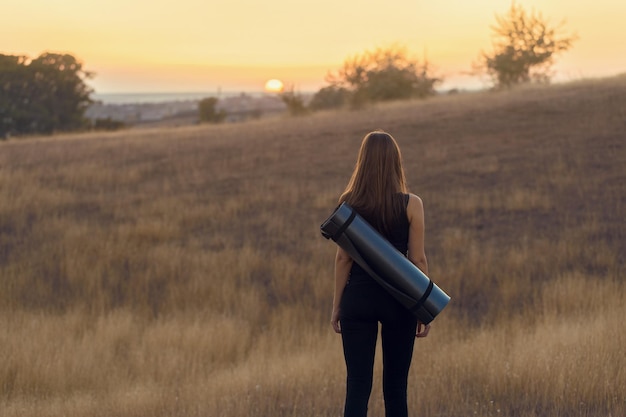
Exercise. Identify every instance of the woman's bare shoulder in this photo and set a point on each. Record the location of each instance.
(415, 207)
(415, 199)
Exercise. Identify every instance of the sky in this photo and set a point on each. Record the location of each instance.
(237, 45)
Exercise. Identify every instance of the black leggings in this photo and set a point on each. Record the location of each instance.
(363, 305)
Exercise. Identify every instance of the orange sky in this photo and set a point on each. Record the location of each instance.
(193, 45)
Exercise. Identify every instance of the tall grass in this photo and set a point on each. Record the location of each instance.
(180, 272)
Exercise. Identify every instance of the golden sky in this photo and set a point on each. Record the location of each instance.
(205, 45)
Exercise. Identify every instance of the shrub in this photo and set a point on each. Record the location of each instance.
(208, 112)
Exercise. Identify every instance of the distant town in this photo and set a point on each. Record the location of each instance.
(164, 109)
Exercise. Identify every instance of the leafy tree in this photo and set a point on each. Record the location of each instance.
(384, 74)
(207, 109)
(43, 95)
(13, 96)
(330, 97)
(524, 48)
(294, 101)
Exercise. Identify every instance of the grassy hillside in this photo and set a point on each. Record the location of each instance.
(181, 272)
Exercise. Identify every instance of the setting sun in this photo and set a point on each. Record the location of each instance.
(169, 49)
(274, 86)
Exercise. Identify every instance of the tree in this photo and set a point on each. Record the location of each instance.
(524, 48)
(294, 102)
(207, 111)
(384, 74)
(13, 94)
(330, 97)
(43, 95)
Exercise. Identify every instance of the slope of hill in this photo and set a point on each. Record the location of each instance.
(181, 271)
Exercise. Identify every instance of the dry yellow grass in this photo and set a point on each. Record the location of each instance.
(180, 272)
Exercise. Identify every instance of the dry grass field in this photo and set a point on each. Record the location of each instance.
(181, 272)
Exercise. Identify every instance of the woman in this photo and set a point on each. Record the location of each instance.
(378, 192)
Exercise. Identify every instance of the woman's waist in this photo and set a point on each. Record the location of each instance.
(359, 276)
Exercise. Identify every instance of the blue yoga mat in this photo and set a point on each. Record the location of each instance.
(384, 263)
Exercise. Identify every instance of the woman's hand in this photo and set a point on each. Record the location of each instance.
(334, 320)
(422, 329)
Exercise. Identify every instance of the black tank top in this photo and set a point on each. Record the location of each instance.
(398, 236)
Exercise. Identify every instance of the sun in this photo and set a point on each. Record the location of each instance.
(274, 86)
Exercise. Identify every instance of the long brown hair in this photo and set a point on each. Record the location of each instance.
(377, 180)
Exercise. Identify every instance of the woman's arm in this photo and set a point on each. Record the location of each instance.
(415, 214)
(417, 253)
(343, 263)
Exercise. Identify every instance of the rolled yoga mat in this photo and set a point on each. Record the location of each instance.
(384, 263)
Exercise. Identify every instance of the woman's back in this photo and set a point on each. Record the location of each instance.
(397, 235)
